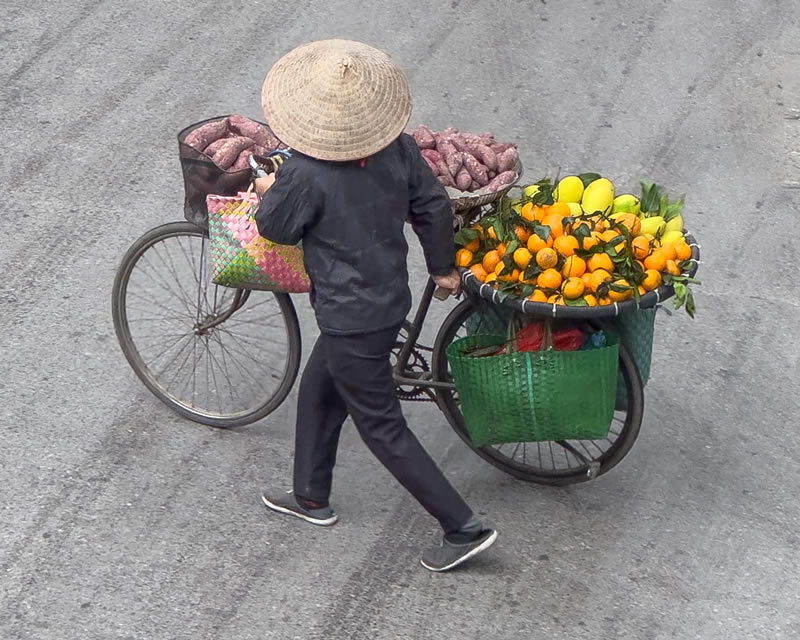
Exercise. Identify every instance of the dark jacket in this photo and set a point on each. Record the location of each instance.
(350, 217)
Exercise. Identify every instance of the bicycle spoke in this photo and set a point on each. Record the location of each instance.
(185, 295)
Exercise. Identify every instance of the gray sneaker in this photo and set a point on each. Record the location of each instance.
(449, 555)
(286, 503)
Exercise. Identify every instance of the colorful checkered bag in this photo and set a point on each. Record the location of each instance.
(242, 258)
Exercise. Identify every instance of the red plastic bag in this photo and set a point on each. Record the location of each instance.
(530, 338)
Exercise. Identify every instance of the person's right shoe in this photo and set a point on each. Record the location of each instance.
(449, 554)
(287, 503)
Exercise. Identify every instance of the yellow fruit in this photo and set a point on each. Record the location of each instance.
(522, 257)
(671, 237)
(530, 191)
(549, 279)
(626, 203)
(590, 300)
(653, 225)
(556, 299)
(675, 224)
(536, 244)
(656, 260)
(547, 258)
(569, 189)
(642, 290)
(598, 196)
(574, 266)
(490, 278)
(575, 208)
(652, 279)
(572, 288)
(463, 257)
(565, 245)
(619, 296)
(490, 260)
(600, 261)
(538, 296)
(479, 272)
(683, 250)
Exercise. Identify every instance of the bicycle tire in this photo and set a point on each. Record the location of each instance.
(127, 341)
(597, 466)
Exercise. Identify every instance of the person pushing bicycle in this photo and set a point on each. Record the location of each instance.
(353, 180)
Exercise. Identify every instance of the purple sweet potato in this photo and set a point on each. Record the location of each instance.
(445, 147)
(463, 179)
(442, 170)
(475, 186)
(253, 130)
(205, 134)
(477, 171)
(431, 154)
(229, 152)
(455, 161)
(499, 147)
(507, 160)
(488, 157)
(502, 180)
(424, 137)
(211, 149)
(446, 180)
(242, 160)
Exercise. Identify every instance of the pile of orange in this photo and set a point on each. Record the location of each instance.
(551, 253)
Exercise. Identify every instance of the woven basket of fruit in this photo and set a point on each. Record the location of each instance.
(475, 169)
(574, 250)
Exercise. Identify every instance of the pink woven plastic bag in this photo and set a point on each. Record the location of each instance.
(241, 258)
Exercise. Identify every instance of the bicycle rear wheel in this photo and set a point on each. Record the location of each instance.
(552, 463)
(222, 357)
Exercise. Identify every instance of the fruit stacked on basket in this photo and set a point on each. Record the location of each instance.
(575, 243)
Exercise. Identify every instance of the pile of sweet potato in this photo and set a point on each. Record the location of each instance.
(468, 161)
(230, 142)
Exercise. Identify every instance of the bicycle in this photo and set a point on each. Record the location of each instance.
(195, 336)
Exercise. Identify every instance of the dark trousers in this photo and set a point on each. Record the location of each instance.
(352, 375)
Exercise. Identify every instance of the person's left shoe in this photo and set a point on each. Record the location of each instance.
(288, 504)
(451, 554)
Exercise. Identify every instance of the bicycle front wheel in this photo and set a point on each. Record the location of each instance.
(218, 356)
(553, 463)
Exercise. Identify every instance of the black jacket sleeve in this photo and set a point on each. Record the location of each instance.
(430, 213)
(287, 209)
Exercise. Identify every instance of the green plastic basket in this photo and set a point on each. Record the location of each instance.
(534, 396)
(635, 331)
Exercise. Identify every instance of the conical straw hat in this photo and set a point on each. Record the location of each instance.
(336, 100)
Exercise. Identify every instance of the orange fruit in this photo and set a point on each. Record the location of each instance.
(589, 241)
(642, 290)
(463, 257)
(641, 247)
(473, 245)
(609, 235)
(603, 301)
(652, 279)
(574, 266)
(549, 279)
(491, 233)
(656, 260)
(522, 257)
(587, 281)
(619, 296)
(683, 250)
(572, 288)
(490, 260)
(479, 272)
(599, 277)
(504, 275)
(670, 252)
(600, 261)
(527, 212)
(536, 244)
(546, 258)
(673, 268)
(560, 209)
(490, 278)
(522, 233)
(539, 213)
(599, 223)
(565, 245)
(590, 300)
(631, 221)
(555, 224)
(538, 296)
(556, 299)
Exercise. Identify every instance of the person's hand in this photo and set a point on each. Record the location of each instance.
(262, 184)
(450, 282)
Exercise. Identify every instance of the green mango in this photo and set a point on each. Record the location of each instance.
(626, 203)
(653, 225)
(675, 224)
(671, 236)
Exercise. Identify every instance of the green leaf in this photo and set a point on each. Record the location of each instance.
(542, 230)
(651, 196)
(580, 302)
(467, 235)
(512, 247)
(532, 270)
(527, 290)
(582, 231)
(499, 230)
(588, 178)
(690, 307)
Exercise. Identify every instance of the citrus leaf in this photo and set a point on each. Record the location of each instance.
(467, 235)
(542, 230)
(588, 178)
(579, 302)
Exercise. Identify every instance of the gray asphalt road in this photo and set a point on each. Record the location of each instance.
(121, 520)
